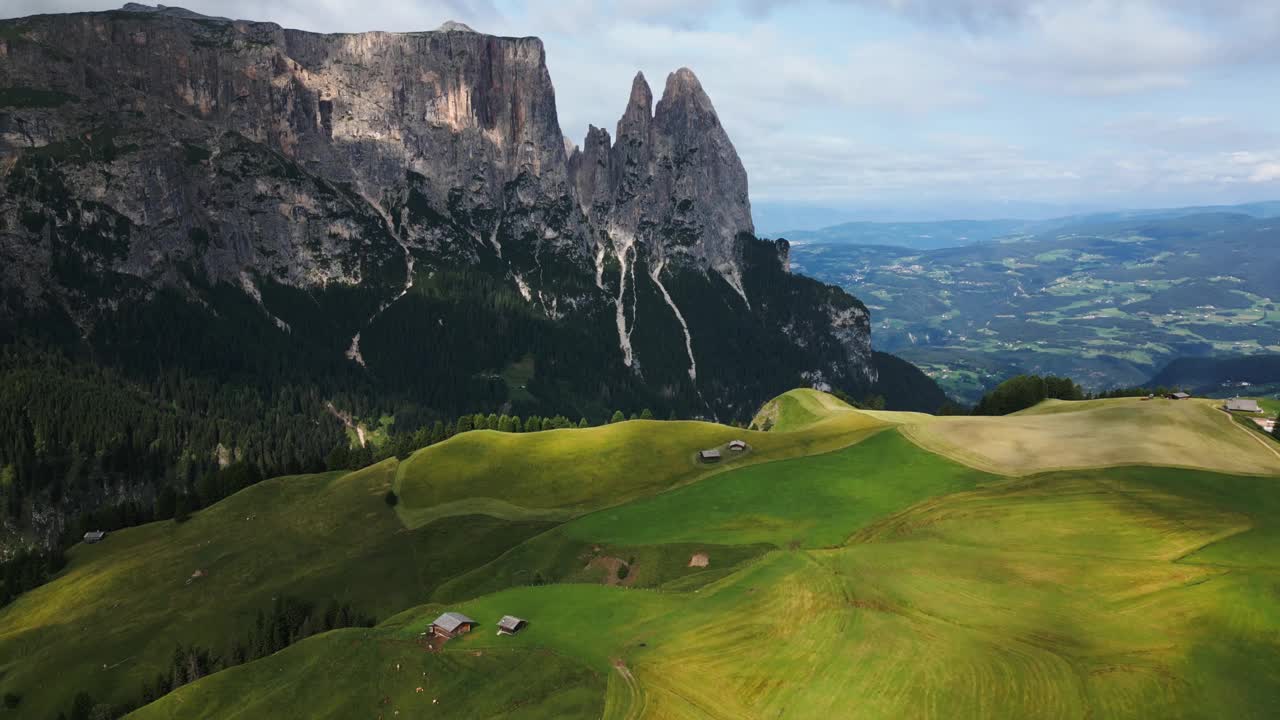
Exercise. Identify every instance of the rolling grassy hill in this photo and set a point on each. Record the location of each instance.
(112, 619)
(558, 474)
(966, 606)
(845, 570)
(1099, 433)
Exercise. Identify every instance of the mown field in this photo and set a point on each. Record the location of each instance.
(860, 577)
(1099, 433)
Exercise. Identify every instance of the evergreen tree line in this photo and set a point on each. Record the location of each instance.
(28, 569)
(288, 621)
(401, 445)
(1134, 392)
(89, 443)
(1024, 391)
(109, 453)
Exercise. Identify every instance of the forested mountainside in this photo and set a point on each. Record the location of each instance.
(1105, 302)
(1247, 375)
(210, 230)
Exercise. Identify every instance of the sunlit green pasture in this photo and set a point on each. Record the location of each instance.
(836, 569)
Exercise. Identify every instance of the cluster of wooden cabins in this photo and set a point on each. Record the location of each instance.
(452, 624)
(714, 455)
(1235, 404)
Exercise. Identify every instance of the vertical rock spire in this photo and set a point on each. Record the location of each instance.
(632, 151)
(590, 172)
(639, 113)
(702, 175)
(676, 184)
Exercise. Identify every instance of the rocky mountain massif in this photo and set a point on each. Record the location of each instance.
(224, 233)
(162, 157)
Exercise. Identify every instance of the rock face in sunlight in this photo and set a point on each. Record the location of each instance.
(153, 148)
(671, 179)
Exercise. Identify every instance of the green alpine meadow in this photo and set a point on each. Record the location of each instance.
(902, 564)
(465, 359)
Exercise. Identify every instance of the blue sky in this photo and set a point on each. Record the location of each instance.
(910, 108)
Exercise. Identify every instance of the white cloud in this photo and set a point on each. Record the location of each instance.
(1187, 132)
(835, 169)
(1096, 48)
(999, 15)
(1266, 173)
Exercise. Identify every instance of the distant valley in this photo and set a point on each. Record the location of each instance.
(1106, 299)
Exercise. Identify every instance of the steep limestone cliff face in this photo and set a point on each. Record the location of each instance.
(674, 182)
(354, 186)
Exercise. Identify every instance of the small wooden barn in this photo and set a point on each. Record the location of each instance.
(738, 445)
(1178, 396)
(709, 456)
(510, 625)
(452, 624)
(95, 536)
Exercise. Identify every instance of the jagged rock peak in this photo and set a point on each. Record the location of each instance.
(641, 95)
(454, 26)
(683, 87)
(635, 119)
(597, 136)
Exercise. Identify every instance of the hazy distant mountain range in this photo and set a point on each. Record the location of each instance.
(929, 235)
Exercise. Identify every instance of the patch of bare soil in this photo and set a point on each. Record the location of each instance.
(611, 566)
(699, 560)
(431, 642)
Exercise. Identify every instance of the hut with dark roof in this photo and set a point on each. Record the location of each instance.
(510, 625)
(452, 624)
